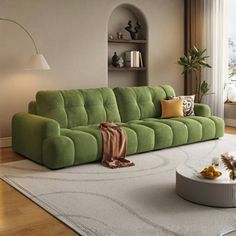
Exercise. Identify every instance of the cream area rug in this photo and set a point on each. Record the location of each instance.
(134, 201)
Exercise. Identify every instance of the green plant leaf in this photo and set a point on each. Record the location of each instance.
(195, 60)
(202, 52)
(204, 87)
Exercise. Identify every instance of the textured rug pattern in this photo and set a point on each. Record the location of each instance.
(139, 200)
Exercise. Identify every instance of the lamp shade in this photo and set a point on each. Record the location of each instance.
(37, 62)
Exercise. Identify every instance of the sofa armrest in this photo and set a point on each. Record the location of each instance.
(29, 132)
(202, 110)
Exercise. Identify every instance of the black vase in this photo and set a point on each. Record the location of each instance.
(134, 35)
(114, 60)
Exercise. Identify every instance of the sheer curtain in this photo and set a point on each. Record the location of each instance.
(215, 40)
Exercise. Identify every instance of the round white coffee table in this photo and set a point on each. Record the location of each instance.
(190, 185)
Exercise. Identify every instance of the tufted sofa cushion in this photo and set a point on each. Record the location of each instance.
(72, 108)
(145, 135)
(137, 103)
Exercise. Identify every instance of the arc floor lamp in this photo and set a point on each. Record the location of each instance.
(37, 61)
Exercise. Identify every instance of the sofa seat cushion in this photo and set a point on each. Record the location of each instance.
(167, 129)
(135, 141)
(183, 130)
(167, 132)
(220, 126)
(85, 145)
(194, 129)
(208, 127)
(212, 126)
(145, 135)
(198, 128)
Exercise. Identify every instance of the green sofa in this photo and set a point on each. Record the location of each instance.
(61, 128)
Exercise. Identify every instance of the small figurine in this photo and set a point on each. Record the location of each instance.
(120, 62)
(133, 31)
(110, 36)
(119, 35)
(114, 60)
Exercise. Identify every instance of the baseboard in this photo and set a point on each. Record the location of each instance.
(5, 142)
(230, 122)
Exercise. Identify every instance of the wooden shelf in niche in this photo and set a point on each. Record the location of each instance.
(140, 41)
(126, 76)
(112, 68)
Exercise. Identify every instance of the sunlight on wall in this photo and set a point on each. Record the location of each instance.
(21, 86)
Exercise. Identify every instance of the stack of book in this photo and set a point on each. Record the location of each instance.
(133, 59)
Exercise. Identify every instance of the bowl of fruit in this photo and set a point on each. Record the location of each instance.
(210, 172)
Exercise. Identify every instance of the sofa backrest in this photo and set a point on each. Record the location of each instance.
(77, 107)
(137, 103)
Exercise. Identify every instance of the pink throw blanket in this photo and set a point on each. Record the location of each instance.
(114, 146)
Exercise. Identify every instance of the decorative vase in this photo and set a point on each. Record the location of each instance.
(134, 31)
(231, 93)
(114, 60)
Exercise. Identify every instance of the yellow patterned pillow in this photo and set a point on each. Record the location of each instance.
(172, 108)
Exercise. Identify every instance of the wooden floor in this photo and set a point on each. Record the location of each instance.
(20, 216)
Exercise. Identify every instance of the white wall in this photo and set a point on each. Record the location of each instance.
(72, 35)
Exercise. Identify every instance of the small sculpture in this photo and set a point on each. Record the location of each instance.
(114, 60)
(120, 62)
(119, 35)
(133, 31)
(110, 36)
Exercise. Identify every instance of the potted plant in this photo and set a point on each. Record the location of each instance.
(194, 62)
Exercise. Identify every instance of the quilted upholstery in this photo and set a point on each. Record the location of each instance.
(71, 108)
(63, 127)
(144, 135)
(137, 103)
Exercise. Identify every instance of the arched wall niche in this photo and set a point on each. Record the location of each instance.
(117, 22)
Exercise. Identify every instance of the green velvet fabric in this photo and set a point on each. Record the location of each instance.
(158, 133)
(94, 131)
(32, 108)
(134, 132)
(71, 108)
(28, 133)
(202, 110)
(177, 130)
(65, 131)
(137, 103)
(58, 152)
(219, 125)
(208, 127)
(194, 129)
(85, 144)
(50, 104)
(132, 138)
(144, 136)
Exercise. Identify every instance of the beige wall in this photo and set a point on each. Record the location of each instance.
(72, 34)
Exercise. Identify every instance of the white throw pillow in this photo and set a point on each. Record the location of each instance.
(188, 104)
